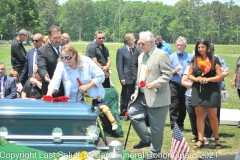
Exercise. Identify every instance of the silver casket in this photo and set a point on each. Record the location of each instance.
(48, 126)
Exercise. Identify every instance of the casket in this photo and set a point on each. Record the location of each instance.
(31, 123)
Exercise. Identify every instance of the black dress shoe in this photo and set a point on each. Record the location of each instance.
(141, 145)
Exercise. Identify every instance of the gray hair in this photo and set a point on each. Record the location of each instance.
(181, 38)
(99, 32)
(23, 32)
(148, 35)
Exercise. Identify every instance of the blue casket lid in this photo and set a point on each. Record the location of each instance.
(39, 109)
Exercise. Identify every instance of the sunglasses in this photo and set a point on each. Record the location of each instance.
(36, 40)
(101, 38)
(66, 58)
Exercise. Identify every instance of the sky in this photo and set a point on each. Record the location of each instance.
(172, 2)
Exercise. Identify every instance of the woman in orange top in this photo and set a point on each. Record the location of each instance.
(205, 72)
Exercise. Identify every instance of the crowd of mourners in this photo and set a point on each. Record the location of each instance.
(154, 80)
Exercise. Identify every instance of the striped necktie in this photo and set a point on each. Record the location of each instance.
(130, 50)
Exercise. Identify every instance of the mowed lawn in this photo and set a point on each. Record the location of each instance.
(229, 135)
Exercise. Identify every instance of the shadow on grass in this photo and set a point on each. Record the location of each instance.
(226, 135)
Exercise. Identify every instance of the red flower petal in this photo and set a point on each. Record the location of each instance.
(142, 84)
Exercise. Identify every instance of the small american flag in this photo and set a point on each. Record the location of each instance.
(179, 147)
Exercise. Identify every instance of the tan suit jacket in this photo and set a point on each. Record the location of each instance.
(158, 71)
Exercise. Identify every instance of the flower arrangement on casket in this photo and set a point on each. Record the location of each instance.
(58, 99)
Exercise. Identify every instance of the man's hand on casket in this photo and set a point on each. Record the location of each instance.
(47, 79)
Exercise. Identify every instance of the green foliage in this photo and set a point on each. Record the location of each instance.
(193, 19)
(26, 14)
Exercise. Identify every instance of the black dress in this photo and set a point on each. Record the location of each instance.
(209, 94)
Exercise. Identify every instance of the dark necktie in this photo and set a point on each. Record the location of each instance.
(130, 50)
(57, 51)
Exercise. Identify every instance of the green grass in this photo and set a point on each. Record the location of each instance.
(229, 135)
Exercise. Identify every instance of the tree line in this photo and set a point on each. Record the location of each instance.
(193, 19)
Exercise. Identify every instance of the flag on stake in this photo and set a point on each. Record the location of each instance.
(179, 147)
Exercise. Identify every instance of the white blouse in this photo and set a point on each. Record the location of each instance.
(87, 71)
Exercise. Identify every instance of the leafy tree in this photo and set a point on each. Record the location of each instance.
(26, 14)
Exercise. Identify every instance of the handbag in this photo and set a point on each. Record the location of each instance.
(224, 96)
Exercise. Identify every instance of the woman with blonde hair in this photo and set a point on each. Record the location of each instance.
(45, 40)
(19, 86)
(80, 74)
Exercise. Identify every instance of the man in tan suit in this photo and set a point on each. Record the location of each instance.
(152, 95)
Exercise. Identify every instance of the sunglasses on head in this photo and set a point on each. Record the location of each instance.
(101, 38)
(36, 40)
(66, 58)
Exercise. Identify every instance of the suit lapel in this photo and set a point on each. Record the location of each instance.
(150, 63)
(52, 50)
(31, 58)
(126, 51)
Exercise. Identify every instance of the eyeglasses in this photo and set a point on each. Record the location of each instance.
(101, 38)
(66, 58)
(36, 40)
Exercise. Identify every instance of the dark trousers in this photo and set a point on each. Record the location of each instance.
(238, 90)
(126, 93)
(177, 108)
(106, 83)
(18, 69)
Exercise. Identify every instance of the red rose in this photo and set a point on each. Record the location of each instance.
(142, 84)
(63, 98)
(55, 100)
(47, 98)
(32, 97)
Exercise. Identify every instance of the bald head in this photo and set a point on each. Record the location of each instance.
(37, 40)
(65, 39)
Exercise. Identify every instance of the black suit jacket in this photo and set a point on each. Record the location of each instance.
(28, 67)
(136, 53)
(47, 62)
(18, 56)
(123, 61)
(10, 91)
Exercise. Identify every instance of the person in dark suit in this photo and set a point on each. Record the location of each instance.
(134, 66)
(7, 85)
(124, 61)
(31, 58)
(18, 52)
(47, 59)
(151, 96)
